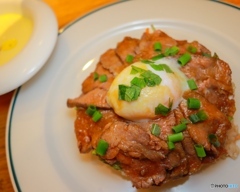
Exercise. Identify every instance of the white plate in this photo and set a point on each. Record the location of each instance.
(41, 145)
(37, 50)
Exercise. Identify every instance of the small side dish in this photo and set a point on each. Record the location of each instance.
(157, 109)
(28, 33)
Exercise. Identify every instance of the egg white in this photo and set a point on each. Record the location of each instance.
(171, 89)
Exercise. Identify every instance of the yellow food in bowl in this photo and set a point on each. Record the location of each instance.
(15, 32)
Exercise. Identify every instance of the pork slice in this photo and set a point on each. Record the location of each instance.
(88, 132)
(213, 77)
(112, 62)
(184, 47)
(133, 141)
(95, 97)
(146, 44)
(217, 123)
(142, 172)
(90, 83)
(127, 47)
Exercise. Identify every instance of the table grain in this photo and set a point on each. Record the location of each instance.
(66, 11)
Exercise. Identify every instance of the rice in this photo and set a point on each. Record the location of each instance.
(231, 142)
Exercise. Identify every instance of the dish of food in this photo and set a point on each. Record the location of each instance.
(157, 109)
(22, 34)
(47, 150)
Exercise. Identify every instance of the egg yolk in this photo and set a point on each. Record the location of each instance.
(168, 92)
(15, 31)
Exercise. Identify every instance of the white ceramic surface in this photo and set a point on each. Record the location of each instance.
(37, 50)
(41, 145)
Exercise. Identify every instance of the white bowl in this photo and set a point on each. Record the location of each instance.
(37, 50)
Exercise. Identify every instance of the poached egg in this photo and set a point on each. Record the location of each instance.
(169, 92)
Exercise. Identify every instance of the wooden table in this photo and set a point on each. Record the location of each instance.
(66, 11)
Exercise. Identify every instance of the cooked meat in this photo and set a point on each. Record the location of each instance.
(146, 158)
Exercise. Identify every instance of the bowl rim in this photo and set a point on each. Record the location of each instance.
(37, 50)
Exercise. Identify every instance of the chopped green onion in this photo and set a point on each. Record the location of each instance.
(139, 82)
(171, 145)
(158, 67)
(171, 51)
(103, 78)
(198, 117)
(194, 118)
(95, 76)
(157, 46)
(184, 121)
(136, 70)
(157, 57)
(162, 110)
(202, 115)
(102, 147)
(215, 55)
(207, 55)
(151, 78)
(97, 115)
(94, 152)
(214, 140)
(116, 166)
(128, 93)
(175, 137)
(91, 109)
(191, 49)
(184, 59)
(192, 84)
(193, 103)
(129, 58)
(146, 61)
(179, 128)
(155, 130)
(200, 150)
(153, 28)
(167, 68)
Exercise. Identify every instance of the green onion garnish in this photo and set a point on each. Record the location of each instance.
(136, 70)
(97, 115)
(103, 78)
(198, 117)
(155, 130)
(179, 128)
(95, 76)
(184, 121)
(162, 110)
(102, 147)
(157, 57)
(202, 115)
(191, 49)
(214, 140)
(158, 67)
(129, 58)
(151, 78)
(192, 84)
(128, 93)
(116, 166)
(171, 51)
(91, 109)
(171, 145)
(193, 103)
(184, 59)
(157, 46)
(200, 150)
(147, 61)
(207, 55)
(175, 137)
(194, 118)
(139, 82)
